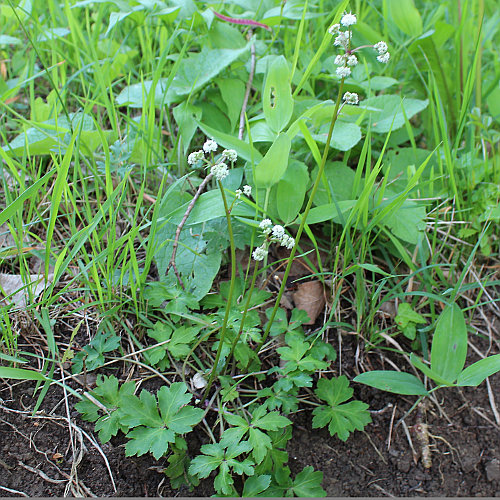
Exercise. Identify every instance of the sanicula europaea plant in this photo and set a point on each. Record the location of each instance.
(97, 176)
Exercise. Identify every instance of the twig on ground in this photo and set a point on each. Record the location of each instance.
(17, 492)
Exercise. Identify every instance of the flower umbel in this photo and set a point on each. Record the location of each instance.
(348, 20)
(196, 157)
(247, 190)
(351, 98)
(210, 146)
(220, 171)
(230, 155)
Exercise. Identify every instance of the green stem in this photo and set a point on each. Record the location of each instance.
(243, 317)
(230, 295)
(304, 216)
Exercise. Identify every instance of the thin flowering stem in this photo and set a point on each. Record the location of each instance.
(304, 216)
(230, 295)
(244, 315)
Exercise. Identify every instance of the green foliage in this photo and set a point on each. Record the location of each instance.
(92, 355)
(342, 418)
(407, 319)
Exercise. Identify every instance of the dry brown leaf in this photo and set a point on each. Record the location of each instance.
(310, 297)
(14, 284)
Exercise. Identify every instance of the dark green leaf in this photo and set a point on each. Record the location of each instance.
(392, 381)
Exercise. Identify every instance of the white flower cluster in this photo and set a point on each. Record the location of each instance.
(210, 146)
(196, 157)
(343, 39)
(230, 155)
(247, 191)
(220, 171)
(276, 234)
(383, 55)
(351, 98)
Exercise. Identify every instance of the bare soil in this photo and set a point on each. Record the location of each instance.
(38, 459)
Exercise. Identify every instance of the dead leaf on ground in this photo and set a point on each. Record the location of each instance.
(14, 284)
(310, 297)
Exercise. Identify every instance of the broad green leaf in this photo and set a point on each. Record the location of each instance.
(308, 483)
(405, 16)
(255, 485)
(277, 95)
(345, 135)
(291, 190)
(244, 150)
(426, 370)
(393, 381)
(272, 167)
(474, 374)
(43, 137)
(449, 344)
(407, 222)
(141, 410)
(223, 481)
(330, 211)
(194, 72)
(386, 108)
(171, 399)
(232, 93)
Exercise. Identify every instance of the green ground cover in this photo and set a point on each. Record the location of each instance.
(122, 245)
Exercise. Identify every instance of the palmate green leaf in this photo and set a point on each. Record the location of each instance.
(223, 481)
(145, 439)
(334, 391)
(449, 344)
(342, 419)
(141, 410)
(203, 465)
(272, 421)
(255, 485)
(308, 484)
(260, 442)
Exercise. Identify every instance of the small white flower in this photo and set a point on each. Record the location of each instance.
(290, 243)
(348, 20)
(196, 157)
(230, 154)
(352, 60)
(247, 190)
(343, 71)
(351, 98)
(265, 223)
(340, 60)
(210, 146)
(342, 40)
(278, 231)
(259, 253)
(334, 29)
(384, 58)
(238, 193)
(220, 171)
(380, 47)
